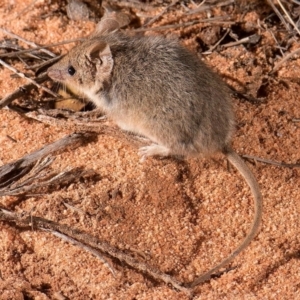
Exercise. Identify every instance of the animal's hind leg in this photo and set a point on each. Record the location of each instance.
(179, 151)
(153, 149)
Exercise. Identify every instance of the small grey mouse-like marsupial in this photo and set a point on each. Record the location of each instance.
(155, 87)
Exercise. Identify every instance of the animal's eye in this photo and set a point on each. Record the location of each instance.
(71, 70)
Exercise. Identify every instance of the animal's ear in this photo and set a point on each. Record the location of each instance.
(107, 25)
(99, 53)
(98, 50)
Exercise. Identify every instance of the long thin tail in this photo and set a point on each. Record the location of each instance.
(241, 166)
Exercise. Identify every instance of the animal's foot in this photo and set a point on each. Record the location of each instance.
(153, 149)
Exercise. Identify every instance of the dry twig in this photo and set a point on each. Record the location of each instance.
(204, 7)
(27, 78)
(252, 39)
(151, 21)
(278, 13)
(30, 174)
(84, 247)
(132, 4)
(15, 167)
(284, 59)
(20, 91)
(17, 53)
(34, 180)
(215, 21)
(288, 17)
(26, 41)
(217, 43)
(44, 64)
(26, 175)
(272, 162)
(91, 241)
(27, 8)
(11, 46)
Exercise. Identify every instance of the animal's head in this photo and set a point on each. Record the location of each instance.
(88, 65)
(85, 67)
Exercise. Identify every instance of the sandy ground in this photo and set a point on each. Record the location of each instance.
(183, 216)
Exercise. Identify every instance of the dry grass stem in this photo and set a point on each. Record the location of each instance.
(27, 78)
(27, 42)
(18, 53)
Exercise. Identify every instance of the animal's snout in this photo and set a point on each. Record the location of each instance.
(55, 74)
